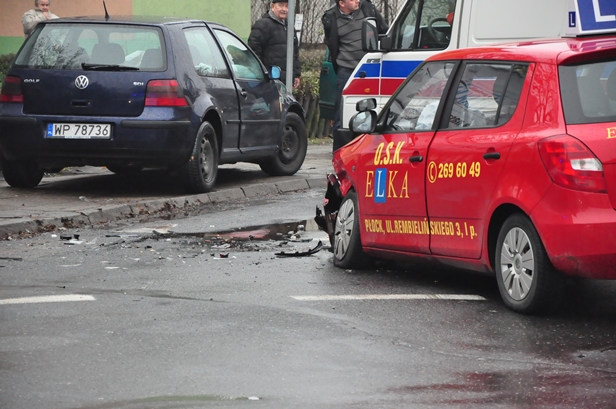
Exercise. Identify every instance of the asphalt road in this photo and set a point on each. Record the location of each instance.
(200, 312)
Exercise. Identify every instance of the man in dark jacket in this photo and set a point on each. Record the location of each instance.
(268, 39)
(342, 25)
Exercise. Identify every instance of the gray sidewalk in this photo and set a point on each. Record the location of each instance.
(57, 203)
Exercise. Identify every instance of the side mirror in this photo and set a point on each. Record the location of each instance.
(385, 43)
(369, 35)
(367, 104)
(274, 72)
(363, 122)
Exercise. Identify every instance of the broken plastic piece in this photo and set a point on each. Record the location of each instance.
(309, 252)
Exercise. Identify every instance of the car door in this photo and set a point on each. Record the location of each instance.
(468, 154)
(259, 100)
(216, 81)
(392, 195)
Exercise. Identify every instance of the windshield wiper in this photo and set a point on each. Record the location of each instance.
(107, 67)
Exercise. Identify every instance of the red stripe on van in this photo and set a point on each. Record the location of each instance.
(390, 85)
(362, 86)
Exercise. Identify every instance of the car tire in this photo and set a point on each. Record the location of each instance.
(21, 173)
(201, 170)
(527, 281)
(347, 249)
(293, 147)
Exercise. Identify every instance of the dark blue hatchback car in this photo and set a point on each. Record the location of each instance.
(131, 93)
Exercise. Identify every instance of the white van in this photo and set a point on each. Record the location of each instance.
(425, 27)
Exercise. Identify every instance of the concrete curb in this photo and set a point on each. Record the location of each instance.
(157, 207)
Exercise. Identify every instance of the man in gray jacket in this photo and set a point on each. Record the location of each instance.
(342, 25)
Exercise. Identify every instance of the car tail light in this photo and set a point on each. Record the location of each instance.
(164, 93)
(571, 164)
(11, 90)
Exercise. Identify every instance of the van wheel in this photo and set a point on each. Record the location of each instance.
(21, 173)
(201, 170)
(348, 252)
(292, 151)
(527, 281)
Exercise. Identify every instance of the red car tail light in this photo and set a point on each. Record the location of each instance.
(11, 90)
(164, 93)
(571, 164)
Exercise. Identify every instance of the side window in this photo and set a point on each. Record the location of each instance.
(206, 55)
(405, 32)
(414, 106)
(485, 95)
(244, 64)
(432, 18)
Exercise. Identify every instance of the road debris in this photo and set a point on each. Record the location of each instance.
(309, 252)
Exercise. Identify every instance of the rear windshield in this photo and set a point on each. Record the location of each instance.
(589, 92)
(69, 46)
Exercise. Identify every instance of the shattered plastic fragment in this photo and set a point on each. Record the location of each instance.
(309, 252)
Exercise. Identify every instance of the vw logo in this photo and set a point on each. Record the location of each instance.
(82, 82)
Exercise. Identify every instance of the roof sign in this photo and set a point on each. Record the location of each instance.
(591, 17)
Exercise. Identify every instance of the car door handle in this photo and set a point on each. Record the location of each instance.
(244, 93)
(417, 158)
(491, 155)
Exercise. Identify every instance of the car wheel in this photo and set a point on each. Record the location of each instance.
(292, 151)
(21, 173)
(202, 167)
(347, 248)
(527, 281)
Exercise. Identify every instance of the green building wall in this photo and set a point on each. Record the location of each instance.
(10, 45)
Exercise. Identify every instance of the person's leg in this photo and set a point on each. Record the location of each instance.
(343, 75)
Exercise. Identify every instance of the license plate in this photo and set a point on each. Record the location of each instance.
(79, 131)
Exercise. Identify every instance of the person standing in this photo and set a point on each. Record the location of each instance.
(39, 13)
(342, 26)
(268, 39)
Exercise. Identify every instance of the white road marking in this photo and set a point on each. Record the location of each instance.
(47, 298)
(454, 297)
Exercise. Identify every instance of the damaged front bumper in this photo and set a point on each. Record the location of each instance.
(326, 219)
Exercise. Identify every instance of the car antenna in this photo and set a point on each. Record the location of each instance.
(106, 14)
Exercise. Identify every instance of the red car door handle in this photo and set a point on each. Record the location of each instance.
(491, 155)
(417, 158)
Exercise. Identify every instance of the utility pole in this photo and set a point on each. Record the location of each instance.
(290, 42)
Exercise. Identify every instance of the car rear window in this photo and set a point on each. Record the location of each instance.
(589, 92)
(68, 46)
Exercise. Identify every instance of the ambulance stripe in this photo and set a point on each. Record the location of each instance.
(390, 85)
(398, 69)
(369, 70)
(362, 86)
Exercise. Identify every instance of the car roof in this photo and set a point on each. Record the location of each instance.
(128, 19)
(552, 51)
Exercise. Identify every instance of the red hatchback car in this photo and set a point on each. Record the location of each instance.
(499, 159)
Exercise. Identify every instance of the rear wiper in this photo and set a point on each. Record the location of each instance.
(107, 67)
